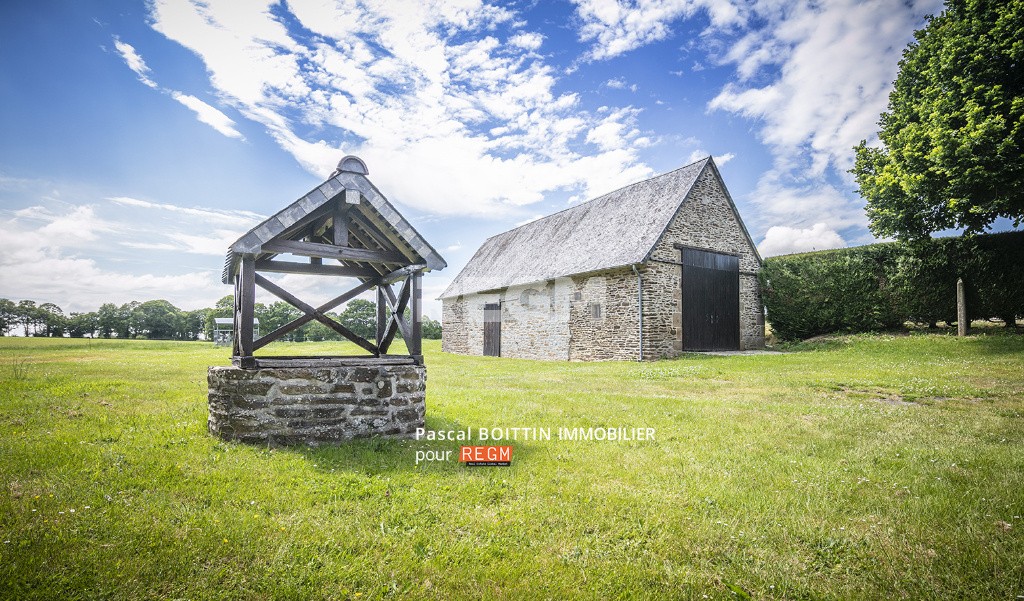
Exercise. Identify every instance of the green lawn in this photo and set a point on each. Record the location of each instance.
(860, 467)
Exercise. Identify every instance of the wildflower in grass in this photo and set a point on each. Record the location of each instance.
(225, 541)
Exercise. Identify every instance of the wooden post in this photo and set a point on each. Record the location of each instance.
(339, 226)
(236, 316)
(247, 302)
(382, 316)
(415, 342)
(962, 325)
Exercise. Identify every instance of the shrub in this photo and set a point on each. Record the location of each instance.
(880, 286)
(833, 291)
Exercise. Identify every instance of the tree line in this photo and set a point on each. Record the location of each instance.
(161, 320)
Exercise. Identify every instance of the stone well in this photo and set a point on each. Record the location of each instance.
(316, 405)
(344, 228)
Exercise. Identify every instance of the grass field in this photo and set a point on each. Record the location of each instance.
(859, 467)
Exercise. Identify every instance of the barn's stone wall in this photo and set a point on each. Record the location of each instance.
(455, 331)
(557, 319)
(751, 313)
(534, 321)
(286, 406)
(467, 313)
(706, 220)
(612, 334)
(552, 320)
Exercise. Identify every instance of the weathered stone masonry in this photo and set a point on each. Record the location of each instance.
(593, 316)
(706, 220)
(586, 308)
(293, 405)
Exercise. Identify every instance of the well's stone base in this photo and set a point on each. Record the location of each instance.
(301, 405)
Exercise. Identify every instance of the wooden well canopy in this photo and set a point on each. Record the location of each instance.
(344, 227)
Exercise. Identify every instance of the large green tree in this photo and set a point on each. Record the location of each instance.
(83, 324)
(157, 319)
(360, 316)
(53, 320)
(277, 314)
(108, 320)
(430, 329)
(952, 139)
(8, 315)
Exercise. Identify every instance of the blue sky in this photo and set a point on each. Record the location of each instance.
(138, 139)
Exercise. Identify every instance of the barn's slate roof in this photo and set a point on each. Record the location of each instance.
(618, 229)
(350, 177)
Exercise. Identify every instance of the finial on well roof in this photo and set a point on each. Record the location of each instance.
(352, 164)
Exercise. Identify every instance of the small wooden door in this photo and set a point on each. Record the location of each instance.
(492, 330)
(711, 301)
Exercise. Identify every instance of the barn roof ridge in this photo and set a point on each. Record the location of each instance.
(584, 238)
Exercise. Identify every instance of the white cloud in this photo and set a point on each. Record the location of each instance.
(790, 200)
(149, 245)
(79, 226)
(471, 128)
(822, 76)
(206, 113)
(783, 240)
(620, 84)
(134, 62)
(836, 62)
(812, 76)
(700, 153)
(617, 26)
(214, 243)
(209, 115)
(527, 41)
(241, 219)
(194, 230)
(47, 258)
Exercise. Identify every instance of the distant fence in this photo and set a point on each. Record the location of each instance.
(881, 286)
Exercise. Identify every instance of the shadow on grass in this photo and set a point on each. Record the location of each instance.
(1002, 341)
(378, 455)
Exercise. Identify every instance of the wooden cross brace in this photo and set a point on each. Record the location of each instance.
(311, 313)
(395, 312)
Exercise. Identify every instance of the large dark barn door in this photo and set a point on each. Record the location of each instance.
(711, 301)
(492, 330)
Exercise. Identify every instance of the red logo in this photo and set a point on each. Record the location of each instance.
(486, 456)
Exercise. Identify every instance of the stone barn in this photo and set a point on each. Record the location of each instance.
(648, 271)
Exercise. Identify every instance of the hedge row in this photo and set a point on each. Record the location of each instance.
(881, 286)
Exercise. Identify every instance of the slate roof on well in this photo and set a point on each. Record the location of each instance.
(373, 206)
(617, 229)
